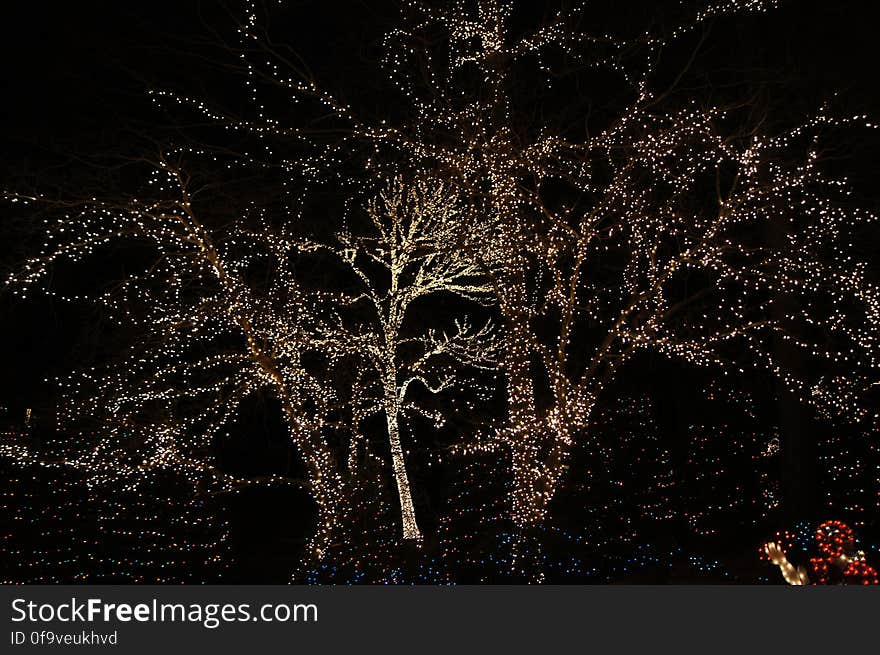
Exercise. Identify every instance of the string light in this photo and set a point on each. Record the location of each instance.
(838, 559)
(60, 528)
(643, 176)
(589, 247)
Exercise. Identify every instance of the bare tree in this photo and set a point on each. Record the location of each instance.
(408, 256)
(610, 237)
(210, 338)
(664, 229)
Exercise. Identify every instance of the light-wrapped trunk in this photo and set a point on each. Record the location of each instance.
(398, 464)
(539, 461)
(327, 493)
(528, 504)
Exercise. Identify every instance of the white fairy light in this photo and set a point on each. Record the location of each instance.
(601, 271)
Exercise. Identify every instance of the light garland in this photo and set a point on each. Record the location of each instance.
(591, 245)
(60, 528)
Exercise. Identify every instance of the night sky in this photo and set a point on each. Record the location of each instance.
(73, 88)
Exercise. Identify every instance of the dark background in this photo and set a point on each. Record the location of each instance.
(73, 83)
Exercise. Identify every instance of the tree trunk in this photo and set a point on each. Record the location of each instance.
(407, 510)
(539, 464)
(799, 483)
(528, 502)
(529, 496)
(327, 492)
(325, 482)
